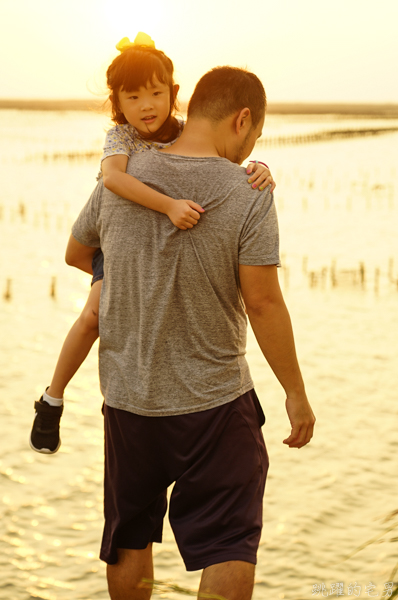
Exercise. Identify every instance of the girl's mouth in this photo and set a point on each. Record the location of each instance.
(149, 119)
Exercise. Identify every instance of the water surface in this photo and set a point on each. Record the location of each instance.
(337, 207)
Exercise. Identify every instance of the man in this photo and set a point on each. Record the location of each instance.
(179, 400)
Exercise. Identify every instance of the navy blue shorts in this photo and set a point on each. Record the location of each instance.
(98, 266)
(218, 463)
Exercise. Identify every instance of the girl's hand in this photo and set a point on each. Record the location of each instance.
(184, 214)
(260, 176)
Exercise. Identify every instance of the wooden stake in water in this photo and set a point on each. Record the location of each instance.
(7, 293)
(324, 275)
(362, 273)
(22, 211)
(53, 287)
(333, 274)
(377, 280)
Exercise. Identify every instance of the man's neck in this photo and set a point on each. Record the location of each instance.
(199, 139)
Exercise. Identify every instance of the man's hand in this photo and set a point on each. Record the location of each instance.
(260, 176)
(184, 214)
(302, 420)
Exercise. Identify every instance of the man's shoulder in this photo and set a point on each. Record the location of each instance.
(206, 170)
(217, 162)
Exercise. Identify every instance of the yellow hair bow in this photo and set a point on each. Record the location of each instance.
(142, 39)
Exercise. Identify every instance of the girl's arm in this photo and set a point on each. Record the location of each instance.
(183, 213)
(79, 256)
(260, 175)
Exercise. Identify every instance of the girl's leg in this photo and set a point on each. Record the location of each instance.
(77, 343)
(44, 436)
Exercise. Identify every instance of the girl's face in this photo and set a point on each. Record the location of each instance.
(147, 108)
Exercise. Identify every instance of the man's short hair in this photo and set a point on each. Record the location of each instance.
(224, 91)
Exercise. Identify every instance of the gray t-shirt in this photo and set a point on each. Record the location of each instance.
(172, 321)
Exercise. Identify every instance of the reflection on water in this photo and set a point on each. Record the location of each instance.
(337, 205)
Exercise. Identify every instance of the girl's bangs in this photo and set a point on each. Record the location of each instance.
(142, 71)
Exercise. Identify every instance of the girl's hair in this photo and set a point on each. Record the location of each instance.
(134, 68)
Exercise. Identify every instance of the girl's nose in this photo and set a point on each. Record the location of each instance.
(147, 104)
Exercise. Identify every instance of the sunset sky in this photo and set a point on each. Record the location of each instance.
(303, 50)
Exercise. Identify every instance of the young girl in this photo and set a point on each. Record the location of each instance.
(143, 98)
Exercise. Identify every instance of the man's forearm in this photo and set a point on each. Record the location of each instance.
(271, 324)
(273, 330)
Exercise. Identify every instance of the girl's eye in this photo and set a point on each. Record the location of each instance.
(157, 93)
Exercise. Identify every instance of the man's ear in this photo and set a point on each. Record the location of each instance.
(243, 120)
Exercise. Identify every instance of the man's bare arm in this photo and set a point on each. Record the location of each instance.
(79, 256)
(272, 327)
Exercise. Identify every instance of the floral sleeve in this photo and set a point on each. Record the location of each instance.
(117, 141)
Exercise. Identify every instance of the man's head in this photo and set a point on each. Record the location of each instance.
(230, 93)
(224, 91)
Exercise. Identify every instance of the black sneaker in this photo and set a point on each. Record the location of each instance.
(44, 436)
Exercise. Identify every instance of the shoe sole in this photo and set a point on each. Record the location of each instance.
(44, 450)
